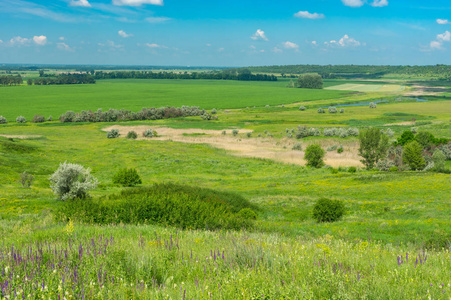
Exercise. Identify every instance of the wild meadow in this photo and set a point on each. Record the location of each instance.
(393, 241)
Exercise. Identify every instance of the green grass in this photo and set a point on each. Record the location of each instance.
(135, 94)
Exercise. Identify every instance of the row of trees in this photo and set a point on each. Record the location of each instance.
(64, 79)
(11, 80)
(226, 75)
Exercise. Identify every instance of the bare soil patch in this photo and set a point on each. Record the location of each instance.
(20, 136)
(420, 90)
(264, 147)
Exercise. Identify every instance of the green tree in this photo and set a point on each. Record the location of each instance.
(310, 81)
(406, 137)
(413, 156)
(30, 81)
(424, 138)
(373, 146)
(439, 160)
(314, 155)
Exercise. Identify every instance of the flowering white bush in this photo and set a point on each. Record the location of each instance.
(72, 181)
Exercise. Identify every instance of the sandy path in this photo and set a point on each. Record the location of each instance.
(20, 136)
(264, 147)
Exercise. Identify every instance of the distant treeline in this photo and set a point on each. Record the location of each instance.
(85, 68)
(64, 79)
(11, 80)
(441, 72)
(231, 74)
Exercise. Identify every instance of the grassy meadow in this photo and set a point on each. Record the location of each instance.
(392, 243)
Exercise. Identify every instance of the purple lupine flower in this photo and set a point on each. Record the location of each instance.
(358, 276)
(416, 262)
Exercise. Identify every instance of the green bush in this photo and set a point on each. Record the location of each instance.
(352, 169)
(340, 149)
(394, 169)
(127, 177)
(439, 160)
(3, 120)
(342, 110)
(406, 137)
(297, 146)
(321, 111)
(249, 134)
(302, 108)
(213, 111)
(149, 133)
(235, 132)
(132, 135)
(21, 119)
(332, 110)
(165, 204)
(114, 133)
(373, 105)
(326, 210)
(314, 155)
(424, 138)
(413, 156)
(38, 119)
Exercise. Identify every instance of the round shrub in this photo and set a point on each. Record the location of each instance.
(326, 210)
(132, 135)
(247, 214)
(235, 132)
(297, 146)
(340, 149)
(21, 119)
(114, 133)
(3, 120)
(150, 133)
(413, 156)
(50, 118)
(249, 134)
(320, 111)
(38, 119)
(373, 105)
(224, 132)
(406, 137)
(213, 111)
(127, 177)
(342, 110)
(352, 169)
(439, 160)
(332, 110)
(302, 108)
(314, 155)
(72, 181)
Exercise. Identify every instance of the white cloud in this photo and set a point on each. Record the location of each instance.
(307, 15)
(158, 19)
(441, 39)
(61, 38)
(252, 47)
(259, 35)
(20, 41)
(344, 42)
(443, 21)
(155, 45)
(208, 45)
(137, 2)
(379, 3)
(81, 3)
(64, 46)
(291, 45)
(113, 45)
(277, 50)
(221, 49)
(40, 40)
(353, 3)
(315, 43)
(444, 37)
(124, 34)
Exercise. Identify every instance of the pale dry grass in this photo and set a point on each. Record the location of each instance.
(264, 147)
(9, 136)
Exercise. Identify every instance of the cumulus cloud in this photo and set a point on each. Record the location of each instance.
(137, 2)
(81, 3)
(291, 45)
(155, 45)
(124, 34)
(345, 41)
(61, 38)
(314, 43)
(441, 39)
(379, 3)
(64, 46)
(443, 21)
(259, 35)
(40, 40)
(157, 19)
(277, 50)
(307, 15)
(19, 41)
(353, 3)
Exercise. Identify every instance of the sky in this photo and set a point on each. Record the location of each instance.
(225, 33)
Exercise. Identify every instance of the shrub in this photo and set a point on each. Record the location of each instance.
(446, 149)
(352, 169)
(68, 116)
(413, 156)
(342, 110)
(340, 149)
(206, 116)
(424, 138)
(26, 179)
(314, 132)
(248, 134)
(235, 132)
(373, 105)
(72, 181)
(114, 133)
(132, 135)
(213, 111)
(302, 132)
(343, 133)
(224, 132)
(389, 132)
(332, 148)
(3, 120)
(326, 210)
(406, 137)
(332, 110)
(439, 160)
(373, 146)
(353, 132)
(127, 177)
(166, 204)
(21, 119)
(38, 119)
(50, 118)
(394, 169)
(414, 130)
(297, 146)
(321, 111)
(330, 131)
(150, 133)
(302, 108)
(385, 165)
(314, 155)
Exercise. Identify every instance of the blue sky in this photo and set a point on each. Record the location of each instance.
(225, 33)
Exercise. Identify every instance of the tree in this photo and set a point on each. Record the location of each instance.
(30, 81)
(373, 146)
(424, 138)
(439, 160)
(413, 156)
(72, 181)
(310, 81)
(406, 137)
(314, 155)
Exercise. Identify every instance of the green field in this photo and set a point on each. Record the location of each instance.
(286, 254)
(136, 94)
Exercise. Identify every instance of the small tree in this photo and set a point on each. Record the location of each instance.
(406, 137)
(127, 177)
(413, 156)
(310, 81)
(72, 181)
(439, 160)
(314, 155)
(373, 146)
(26, 179)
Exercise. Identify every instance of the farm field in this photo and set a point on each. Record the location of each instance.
(393, 241)
(367, 87)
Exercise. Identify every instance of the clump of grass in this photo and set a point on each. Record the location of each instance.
(132, 135)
